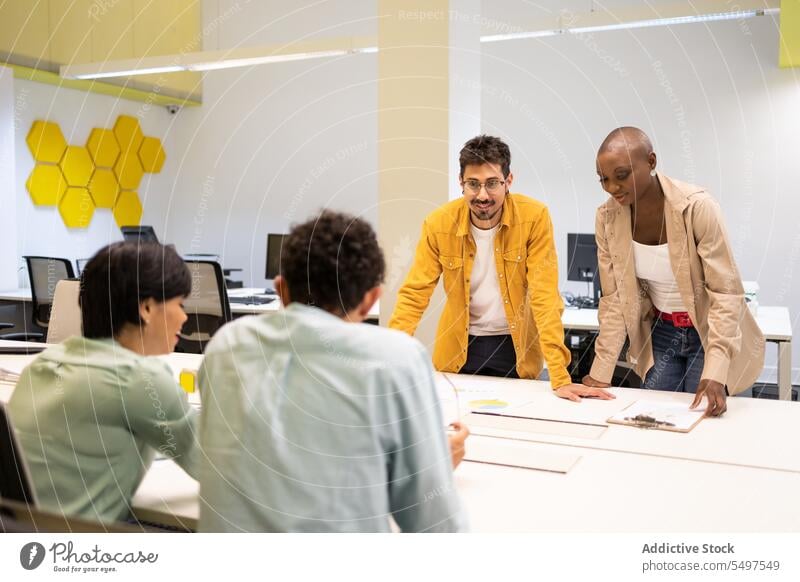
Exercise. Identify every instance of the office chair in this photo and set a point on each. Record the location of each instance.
(15, 480)
(14, 335)
(65, 316)
(44, 273)
(207, 306)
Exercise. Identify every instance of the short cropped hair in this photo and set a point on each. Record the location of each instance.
(485, 149)
(120, 277)
(331, 261)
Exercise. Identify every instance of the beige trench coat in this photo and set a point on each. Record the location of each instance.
(708, 281)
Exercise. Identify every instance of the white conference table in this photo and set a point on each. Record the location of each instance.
(739, 473)
(709, 480)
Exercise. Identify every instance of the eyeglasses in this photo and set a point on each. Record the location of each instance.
(492, 185)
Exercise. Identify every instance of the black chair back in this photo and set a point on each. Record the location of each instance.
(44, 273)
(207, 306)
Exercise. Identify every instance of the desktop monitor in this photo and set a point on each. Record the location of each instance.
(582, 261)
(274, 245)
(139, 233)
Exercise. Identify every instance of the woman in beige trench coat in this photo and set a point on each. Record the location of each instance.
(670, 283)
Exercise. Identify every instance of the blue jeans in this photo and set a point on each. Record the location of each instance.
(678, 358)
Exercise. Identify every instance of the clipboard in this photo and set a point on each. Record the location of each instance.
(654, 414)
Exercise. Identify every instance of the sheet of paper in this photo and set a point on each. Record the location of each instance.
(521, 455)
(655, 414)
(530, 428)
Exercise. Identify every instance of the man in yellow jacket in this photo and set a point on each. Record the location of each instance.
(503, 311)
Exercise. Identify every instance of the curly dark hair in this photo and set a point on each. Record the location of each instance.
(120, 277)
(485, 149)
(331, 261)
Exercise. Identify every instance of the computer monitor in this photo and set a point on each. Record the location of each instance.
(582, 262)
(274, 245)
(139, 233)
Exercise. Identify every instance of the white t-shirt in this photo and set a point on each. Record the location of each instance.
(486, 313)
(653, 267)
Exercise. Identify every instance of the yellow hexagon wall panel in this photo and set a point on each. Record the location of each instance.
(128, 133)
(77, 166)
(105, 173)
(103, 188)
(102, 145)
(152, 155)
(46, 142)
(129, 171)
(128, 209)
(76, 208)
(46, 185)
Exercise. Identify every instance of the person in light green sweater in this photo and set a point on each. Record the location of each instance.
(91, 412)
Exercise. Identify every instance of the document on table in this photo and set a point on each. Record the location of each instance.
(671, 416)
(519, 455)
(527, 428)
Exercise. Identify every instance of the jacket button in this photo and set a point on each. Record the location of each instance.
(506, 300)
(518, 257)
(500, 275)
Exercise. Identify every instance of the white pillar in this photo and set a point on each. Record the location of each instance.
(428, 106)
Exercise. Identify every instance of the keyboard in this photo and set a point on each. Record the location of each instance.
(252, 300)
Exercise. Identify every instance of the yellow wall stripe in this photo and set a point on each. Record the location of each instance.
(790, 33)
(48, 78)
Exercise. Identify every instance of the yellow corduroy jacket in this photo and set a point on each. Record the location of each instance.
(527, 270)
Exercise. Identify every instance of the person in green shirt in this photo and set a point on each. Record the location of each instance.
(91, 412)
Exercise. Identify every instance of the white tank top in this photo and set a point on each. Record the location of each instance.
(653, 267)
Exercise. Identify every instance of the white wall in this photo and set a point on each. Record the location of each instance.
(711, 96)
(41, 231)
(274, 144)
(8, 198)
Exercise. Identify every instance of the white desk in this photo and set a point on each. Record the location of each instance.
(628, 480)
(236, 308)
(758, 433)
(15, 295)
(775, 324)
(276, 305)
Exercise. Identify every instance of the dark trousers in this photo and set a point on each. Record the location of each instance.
(491, 355)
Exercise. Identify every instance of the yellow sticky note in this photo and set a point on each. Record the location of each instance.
(187, 380)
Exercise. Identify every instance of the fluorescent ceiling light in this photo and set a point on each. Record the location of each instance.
(128, 73)
(247, 57)
(737, 15)
(205, 61)
(266, 59)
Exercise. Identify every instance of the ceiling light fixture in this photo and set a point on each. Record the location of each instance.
(736, 15)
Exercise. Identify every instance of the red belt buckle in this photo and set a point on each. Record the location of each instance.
(681, 319)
